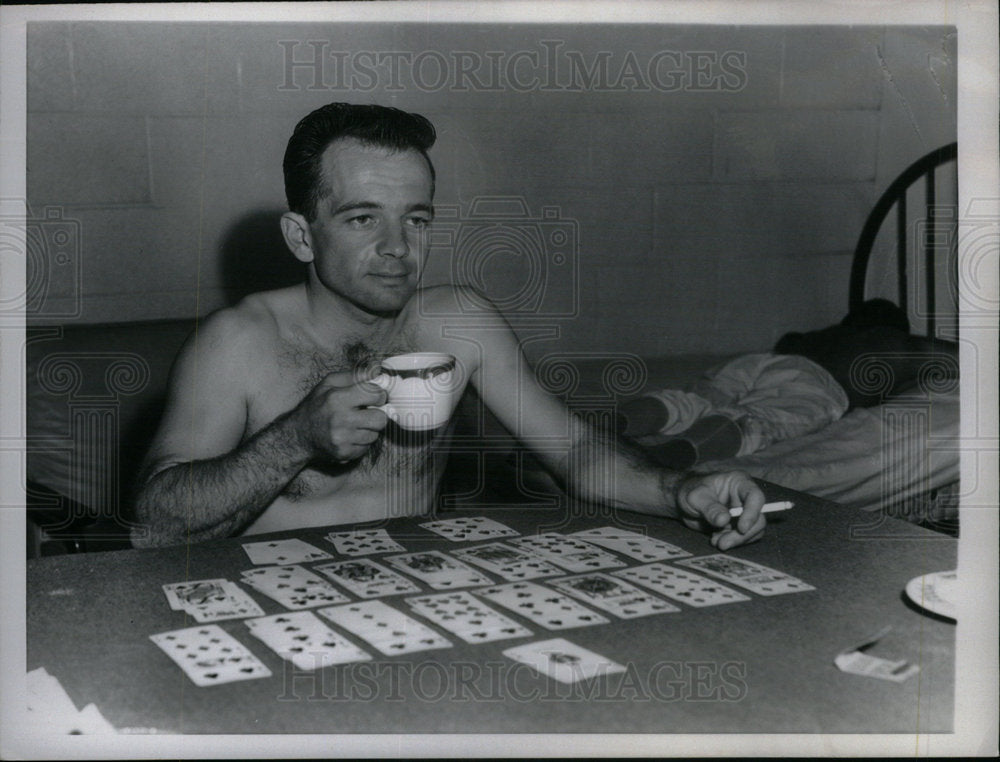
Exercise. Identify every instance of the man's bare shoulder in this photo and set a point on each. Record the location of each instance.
(235, 335)
(453, 302)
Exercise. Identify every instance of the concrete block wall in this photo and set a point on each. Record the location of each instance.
(716, 197)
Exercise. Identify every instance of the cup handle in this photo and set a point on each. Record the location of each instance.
(382, 380)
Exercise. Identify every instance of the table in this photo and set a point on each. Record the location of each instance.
(765, 665)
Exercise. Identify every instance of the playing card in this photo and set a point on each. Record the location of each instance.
(682, 585)
(293, 587)
(195, 591)
(614, 595)
(364, 542)
(283, 552)
(568, 552)
(507, 562)
(209, 655)
(631, 544)
(563, 661)
(388, 630)
(754, 577)
(465, 528)
(304, 640)
(367, 579)
(211, 600)
(438, 570)
(472, 621)
(548, 608)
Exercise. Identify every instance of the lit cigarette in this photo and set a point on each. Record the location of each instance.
(784, 505)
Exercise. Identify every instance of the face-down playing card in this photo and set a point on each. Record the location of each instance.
(301, 638)
(756, 578)
(545, 607)
(367, 579)
(682, 585)
(385, 628)
(613, 595)
(508, 562)
(465, 528)
(283, 552)
(363, 542)
(439, 570)
(211, 600)
(460, 613)
(209, 655)
(568, 552)
(293, 587)
(632, 544)
(563, 661)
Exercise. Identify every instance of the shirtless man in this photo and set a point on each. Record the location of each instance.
(271, 421)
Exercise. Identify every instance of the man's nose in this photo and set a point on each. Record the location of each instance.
(394, 243)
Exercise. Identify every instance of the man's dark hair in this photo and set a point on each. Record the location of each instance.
(381, 126)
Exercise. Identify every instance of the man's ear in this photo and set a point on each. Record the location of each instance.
(295, 230)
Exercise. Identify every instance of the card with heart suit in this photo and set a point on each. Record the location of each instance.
(438, 570)
(464, 528)
(367, 579)
(388, 630)
(550, 609)
(472, 621)
(568, 552)
(508, 562)
(363, 542)
(682, 585)
(293, 587)
(632, 544)
(209, 655)
(283, 552)
(211, 600)
(616, 596)
(301, 638)
(563, 661)
(756, 578)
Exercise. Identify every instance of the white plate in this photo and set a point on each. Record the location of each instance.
(935, 592)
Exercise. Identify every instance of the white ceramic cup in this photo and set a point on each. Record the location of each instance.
(423, 389)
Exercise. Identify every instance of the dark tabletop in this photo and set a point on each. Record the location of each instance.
(764, 665)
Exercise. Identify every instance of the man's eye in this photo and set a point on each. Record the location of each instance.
(419, 222)
(361, 220)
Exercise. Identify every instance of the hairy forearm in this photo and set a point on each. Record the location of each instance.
(216, 497)
(599, 468)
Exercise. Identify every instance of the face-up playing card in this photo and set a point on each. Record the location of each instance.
(614, 595)
(388, 630)
(548, 608)
(304, 640)
(472, 621)
(464, 528)
(438, 570)
(293, 587)
(681, 585)
(211, 600)
(756, 578)
(563, 661)
(507, 562)
(209, 655)
(568, 553)
(283, 552)
(364, 542)
(367, 579)
(631, 544)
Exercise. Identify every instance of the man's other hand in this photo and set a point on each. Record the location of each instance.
(704, 501)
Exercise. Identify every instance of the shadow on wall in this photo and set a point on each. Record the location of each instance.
(254, 256)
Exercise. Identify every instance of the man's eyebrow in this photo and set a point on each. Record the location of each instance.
(351, 206)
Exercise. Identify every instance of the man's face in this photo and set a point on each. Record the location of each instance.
(369, 235)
